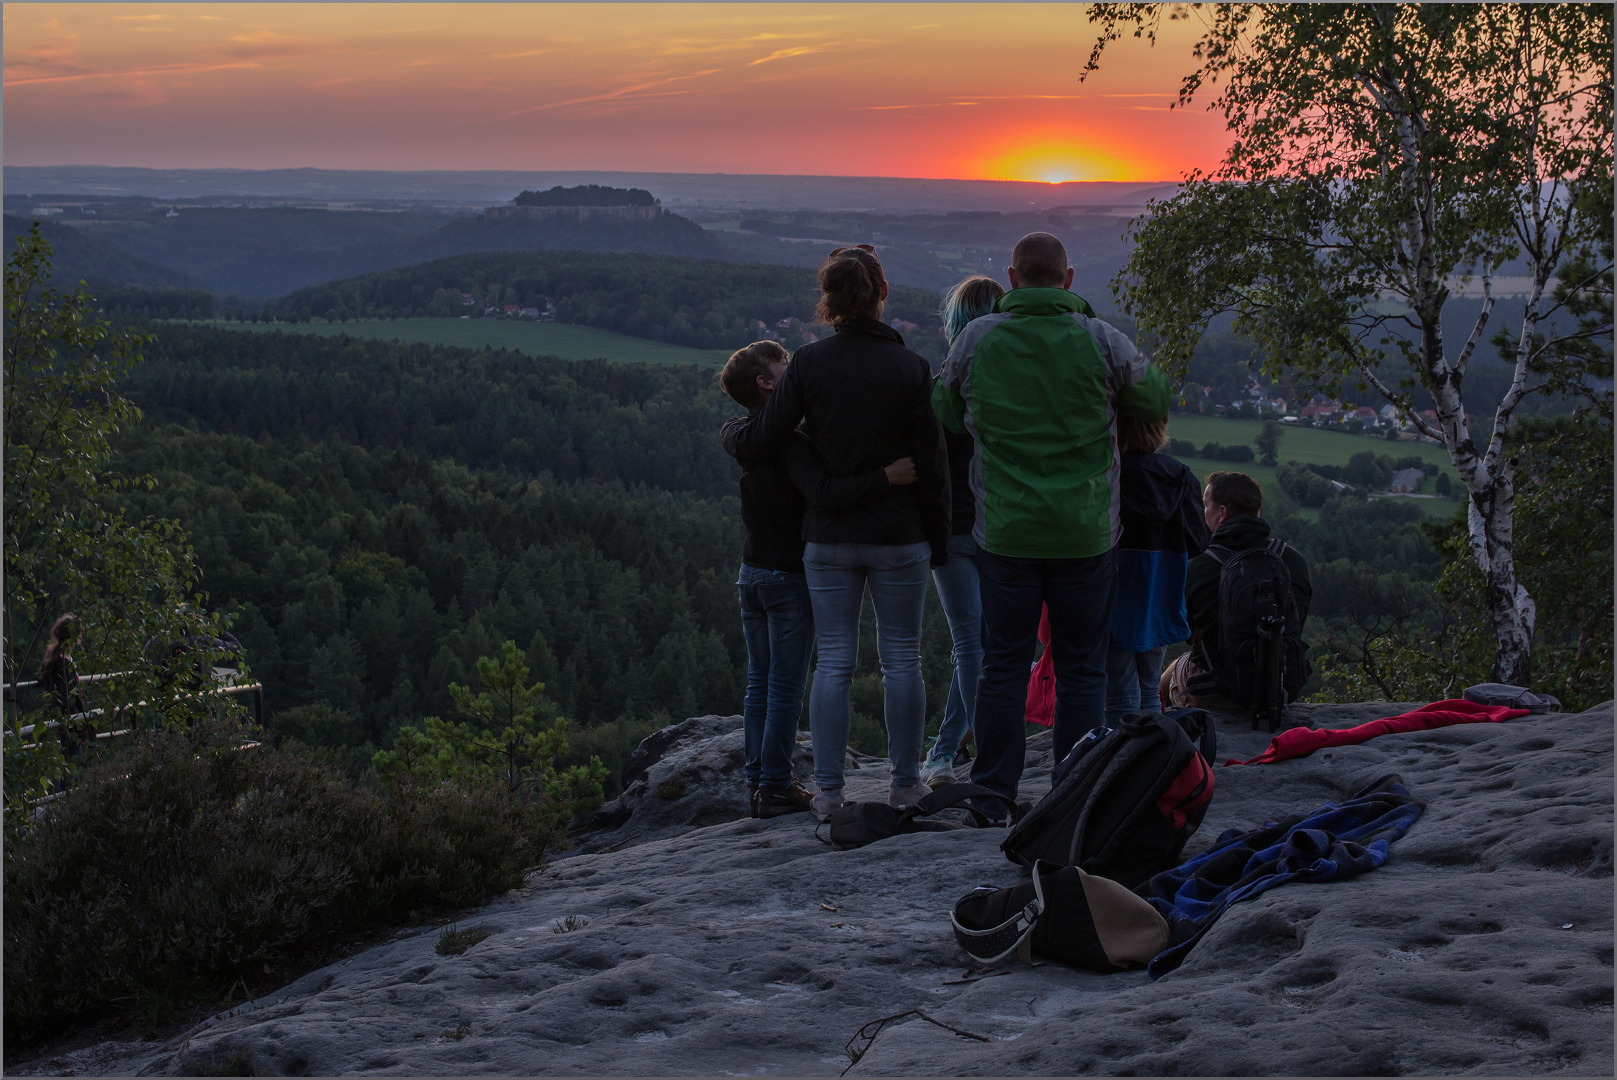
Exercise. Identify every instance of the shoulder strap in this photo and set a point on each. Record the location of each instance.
(1277, 546)
(953, 795)
(1013, 935)
(1220, 553)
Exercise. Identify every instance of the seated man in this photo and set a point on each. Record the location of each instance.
(1231, 502)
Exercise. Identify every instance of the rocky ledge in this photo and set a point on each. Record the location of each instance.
(683, 938)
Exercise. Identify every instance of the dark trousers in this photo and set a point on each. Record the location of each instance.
(1079, 593)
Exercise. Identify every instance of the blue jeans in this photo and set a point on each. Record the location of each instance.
(1079, 593)
(779, 627)
(963, 606)
(837, 575)
(1132, 683)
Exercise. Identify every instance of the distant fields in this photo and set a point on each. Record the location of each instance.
(533, 338)
(1307, 445)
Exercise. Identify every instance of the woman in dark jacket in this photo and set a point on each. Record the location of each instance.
(864, 400)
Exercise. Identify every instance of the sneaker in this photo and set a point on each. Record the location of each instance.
(938, 771)
(776, 802)
(904, 797)
(752, 798)
(824, 802)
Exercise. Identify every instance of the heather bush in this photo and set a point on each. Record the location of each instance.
(187, 865)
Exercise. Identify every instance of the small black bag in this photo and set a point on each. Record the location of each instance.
(1125, 800)
(857, 824)
(1515, 697)
(1064, 914)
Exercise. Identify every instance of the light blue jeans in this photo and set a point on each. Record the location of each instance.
(1131, 683)
(837, 576)
(961, 595)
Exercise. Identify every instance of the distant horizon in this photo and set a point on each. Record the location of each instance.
(905, 91)
(677, 190)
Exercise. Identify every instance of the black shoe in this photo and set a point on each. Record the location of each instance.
(777, 802)
(752, 799)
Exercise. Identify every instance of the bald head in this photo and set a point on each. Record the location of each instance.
(1040, 261)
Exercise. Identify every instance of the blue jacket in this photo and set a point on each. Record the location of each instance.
(1335, 841)
(1160, 511)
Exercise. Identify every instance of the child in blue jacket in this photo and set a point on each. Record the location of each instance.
(1160, 511)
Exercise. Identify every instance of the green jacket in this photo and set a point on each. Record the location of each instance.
(1039, 385)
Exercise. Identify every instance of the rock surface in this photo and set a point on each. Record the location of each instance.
(750, 947)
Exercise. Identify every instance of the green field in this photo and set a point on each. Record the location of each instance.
(533, 338)
(1306, 445)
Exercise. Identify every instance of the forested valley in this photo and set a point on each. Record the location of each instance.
(376, 517)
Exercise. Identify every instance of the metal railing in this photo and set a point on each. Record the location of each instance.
(230, 690)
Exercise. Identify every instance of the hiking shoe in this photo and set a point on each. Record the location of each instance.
(752, 798)
(904, 797)
(824, 802)
(938, 771)
(776, 802)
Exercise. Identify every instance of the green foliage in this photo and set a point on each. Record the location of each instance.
(701, 304)
(1408, 640)
(1268, 442)
(512, 737)
(366, 583)
(547, 340)
(454, 941)
(68, 543)
(487, 409)
(185, 865)
(1378, 153)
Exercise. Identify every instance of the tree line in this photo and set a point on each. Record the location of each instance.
(699, 303)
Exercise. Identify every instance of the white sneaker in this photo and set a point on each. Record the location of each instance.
(905, 797)
(824, 802)
(938, 771)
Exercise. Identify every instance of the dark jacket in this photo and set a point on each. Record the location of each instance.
(775, 490)
(1201, 578)
(864, 400)
(962, 502)
(1160, 511)
(61, 682)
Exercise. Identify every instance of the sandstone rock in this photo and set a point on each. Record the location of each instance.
(748, 947)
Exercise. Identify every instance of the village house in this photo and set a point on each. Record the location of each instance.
(1405, 481)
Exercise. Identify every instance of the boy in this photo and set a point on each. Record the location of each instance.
(1160, 511)
(776, 619)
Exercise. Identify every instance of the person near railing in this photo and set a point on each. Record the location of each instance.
(173, 661)
(59, 682)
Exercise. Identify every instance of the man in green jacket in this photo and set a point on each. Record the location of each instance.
(1039, 385)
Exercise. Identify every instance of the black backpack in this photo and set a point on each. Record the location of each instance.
(1124, 800)
(1260, 663)
(857, 824)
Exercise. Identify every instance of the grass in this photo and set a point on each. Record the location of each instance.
(454, 941)
(533, 338)
(1307, 445)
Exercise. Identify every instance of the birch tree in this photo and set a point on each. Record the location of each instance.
(1383, 156)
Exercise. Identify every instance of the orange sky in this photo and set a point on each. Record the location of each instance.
(981, 91)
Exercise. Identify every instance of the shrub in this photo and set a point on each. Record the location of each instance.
(187, 864)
